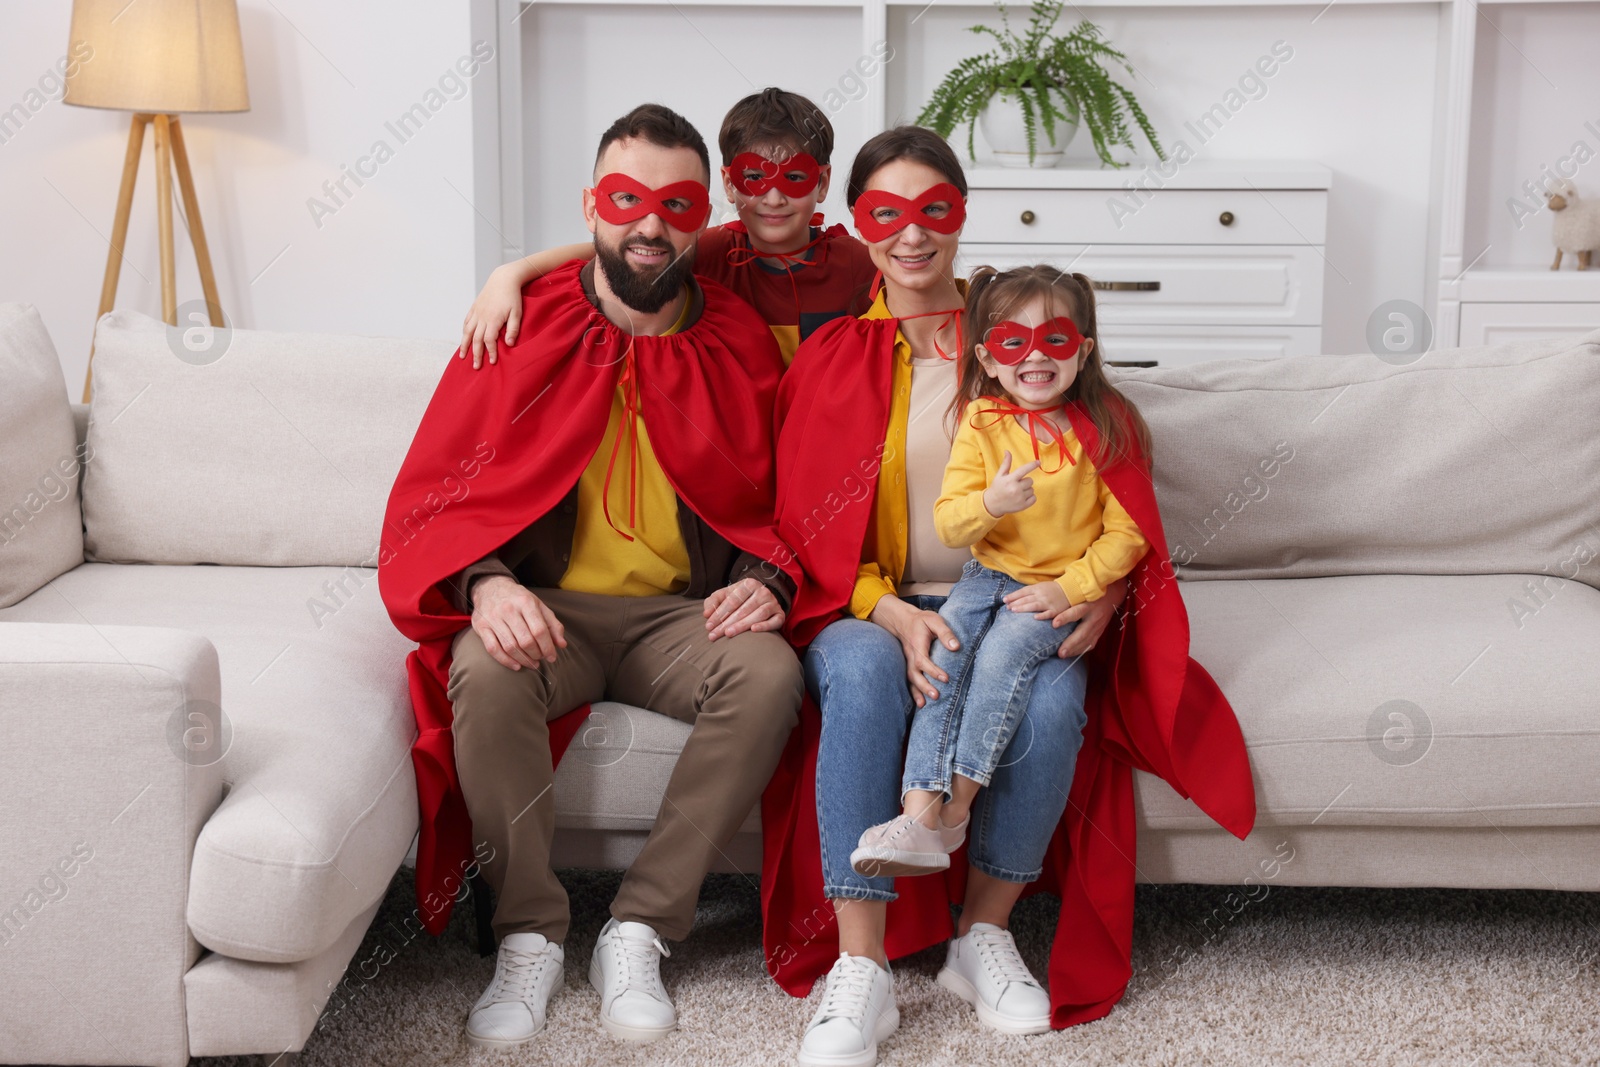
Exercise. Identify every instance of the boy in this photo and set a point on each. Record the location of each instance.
(776, 149)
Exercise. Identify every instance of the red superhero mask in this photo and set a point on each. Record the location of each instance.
(1012, 342)
(754, 174)
(693, 200)
(910, 211)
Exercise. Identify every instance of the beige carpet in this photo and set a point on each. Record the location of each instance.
(1305, 976)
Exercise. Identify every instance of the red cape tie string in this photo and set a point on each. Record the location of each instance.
(1004, 409)
(957, 315)
(744, 255)
(629, 383)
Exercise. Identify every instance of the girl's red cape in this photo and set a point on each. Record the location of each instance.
(1150, 706)
(497, 449)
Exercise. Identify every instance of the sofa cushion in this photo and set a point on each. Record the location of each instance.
(41, 526)
(1468, 461)
(279, 451)
(321, 801)
(1404, 700)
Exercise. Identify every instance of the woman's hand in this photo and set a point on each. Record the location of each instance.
(744, 605)
(1092, 617)
(916, 629)
(498, 305)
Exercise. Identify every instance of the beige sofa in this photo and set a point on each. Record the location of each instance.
(206, 786)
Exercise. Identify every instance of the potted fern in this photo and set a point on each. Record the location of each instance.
(1031, 94)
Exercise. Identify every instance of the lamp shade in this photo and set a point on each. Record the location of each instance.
(160, 56)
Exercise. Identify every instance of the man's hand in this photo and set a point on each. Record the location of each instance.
(1045, 599)
(1012, 490)
(744, 605)
(516, 627)
(916, 629)
(498, 305)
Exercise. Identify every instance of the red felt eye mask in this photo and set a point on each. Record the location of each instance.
(769, 174)
(1011, 342)
(652, 202)
(911, 211)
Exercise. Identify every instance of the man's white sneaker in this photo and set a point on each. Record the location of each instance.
(626, 971)
(857, 1012)
(527, 971)
(985, 969)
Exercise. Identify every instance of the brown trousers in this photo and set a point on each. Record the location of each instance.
(741, 694)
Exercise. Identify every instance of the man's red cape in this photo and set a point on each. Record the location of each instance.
(497, 449)
(1149, 705)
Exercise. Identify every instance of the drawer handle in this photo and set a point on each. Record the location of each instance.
(1226, 218)
(1027, 218)
(1128, 287)
(1132, 363)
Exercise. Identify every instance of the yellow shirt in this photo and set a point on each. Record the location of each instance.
(656, 561)
(1075, 533)
(883, 553)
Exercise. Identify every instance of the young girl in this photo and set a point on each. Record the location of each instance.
(1045, 533)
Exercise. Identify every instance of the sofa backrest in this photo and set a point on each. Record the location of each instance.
(1467, 461)
(247, 447)
(41, 528)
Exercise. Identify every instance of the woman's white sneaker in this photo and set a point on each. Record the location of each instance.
(527, 971)
(626, 971)
(984, 969)
(857, 1012)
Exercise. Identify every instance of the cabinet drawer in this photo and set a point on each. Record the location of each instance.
(1166, 216)
(1238, 285)
(1498, 324)
(1172, 346)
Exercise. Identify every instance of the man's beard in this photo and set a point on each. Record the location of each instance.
(642, 290)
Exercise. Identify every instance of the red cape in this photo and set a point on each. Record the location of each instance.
(497, 449)
(1149, 705)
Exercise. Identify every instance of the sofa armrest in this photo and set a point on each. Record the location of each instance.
(106, 777)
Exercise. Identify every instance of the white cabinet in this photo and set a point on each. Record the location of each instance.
(1223, 261)
(1498, 324)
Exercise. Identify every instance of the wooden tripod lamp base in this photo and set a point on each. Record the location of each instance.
(171, 158)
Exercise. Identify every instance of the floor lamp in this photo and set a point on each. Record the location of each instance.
(157, 58)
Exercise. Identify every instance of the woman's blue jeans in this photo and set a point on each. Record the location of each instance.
(856, 673)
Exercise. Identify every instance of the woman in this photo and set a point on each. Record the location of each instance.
(863, 443)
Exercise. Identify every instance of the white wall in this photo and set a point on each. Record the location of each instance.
(395, 258)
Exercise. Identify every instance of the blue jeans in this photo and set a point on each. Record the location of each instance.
(968, 727)
(856, 673)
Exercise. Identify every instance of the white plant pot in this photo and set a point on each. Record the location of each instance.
(1004, 127)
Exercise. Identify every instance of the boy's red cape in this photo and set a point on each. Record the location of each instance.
(497, 449)
(1149, 705)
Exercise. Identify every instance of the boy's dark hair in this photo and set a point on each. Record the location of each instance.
(776, 118)
(659, 125)
(916, 143)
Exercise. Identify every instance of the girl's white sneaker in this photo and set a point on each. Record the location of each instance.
(903, 847)
(527, 970)
(857, 1012)
(984, 969)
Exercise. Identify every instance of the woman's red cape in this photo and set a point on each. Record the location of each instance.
(1149, 705)
(497, 449)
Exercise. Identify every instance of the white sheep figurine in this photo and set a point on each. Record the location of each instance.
(1576, 226)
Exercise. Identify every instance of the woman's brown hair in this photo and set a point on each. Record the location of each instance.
(994, 296)
(916, 143)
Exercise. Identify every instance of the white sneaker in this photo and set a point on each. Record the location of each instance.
(985, 969)
(857, 1012)
(626, 971)
(526, 972)
(903, 847)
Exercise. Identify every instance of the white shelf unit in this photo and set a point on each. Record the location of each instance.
(1500, 101)
(1444, 276)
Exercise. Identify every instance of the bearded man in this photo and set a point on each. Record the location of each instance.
(595, 520)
